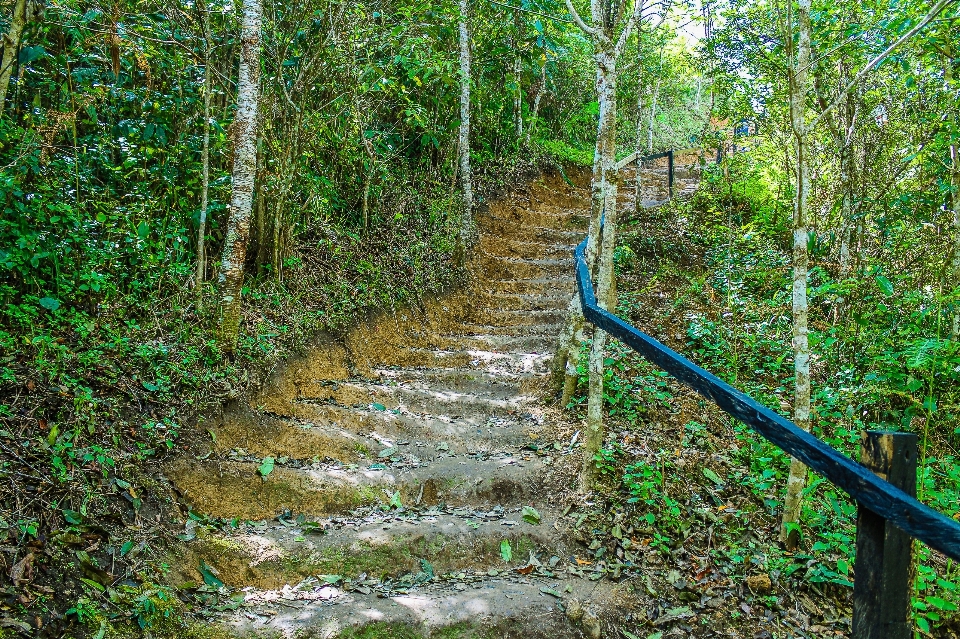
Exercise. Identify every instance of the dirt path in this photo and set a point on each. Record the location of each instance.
(403, 458)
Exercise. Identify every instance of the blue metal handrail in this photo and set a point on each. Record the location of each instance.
(916, 519)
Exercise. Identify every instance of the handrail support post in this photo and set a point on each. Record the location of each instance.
(883, 568)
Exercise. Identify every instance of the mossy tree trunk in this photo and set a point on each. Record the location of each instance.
(244, 175)
(19, 18)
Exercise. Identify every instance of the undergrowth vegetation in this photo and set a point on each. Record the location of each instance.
(709, 277)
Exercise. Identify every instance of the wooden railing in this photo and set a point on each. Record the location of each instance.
(883, 484)
(657, 156)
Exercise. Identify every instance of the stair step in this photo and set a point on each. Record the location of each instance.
(475, 606)
(380, 544)
(235, 489)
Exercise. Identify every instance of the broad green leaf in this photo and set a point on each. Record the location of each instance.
(885, 285)
(29, 54)
(506, 551)
(941, 604)
(209, 577)
(266, 467)
(93, 584)
(395, 500)
(530, 515)
(712, 476)
(50, 303)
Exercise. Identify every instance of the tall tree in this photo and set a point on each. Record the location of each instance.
(205, 153)
(466, 176)
(607, 16)
(799, 77)
(244, 174)
(517, 67)
(23, 12)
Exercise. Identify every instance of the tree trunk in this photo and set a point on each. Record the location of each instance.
(954, 197)
(638, 149)
(604, 279)
(565, 359)
(11, 45)
(955, 207)
(846, 178)
(653, 114)
(244, 173)
(466, 176)
(517, 66)
(205, 153)
(801, 232)
(541, 87)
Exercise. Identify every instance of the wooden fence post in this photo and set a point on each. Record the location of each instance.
(670, 172)
(881, 590)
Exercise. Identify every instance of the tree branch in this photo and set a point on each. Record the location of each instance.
(934, 11)
(576, 18)
(628, 29)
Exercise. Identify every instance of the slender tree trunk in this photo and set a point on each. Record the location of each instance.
(604, 279)
(955, 206)
(244, 174)
(205, 153)
(517, 67)
(565, 359)
(638, 149)
(466, 176)
(801, 265)
(541, 87)
(19, 19)
(368, 178)
(954, 198)
(653, 114)
(846, 178)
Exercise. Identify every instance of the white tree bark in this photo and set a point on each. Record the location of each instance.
(799, 86)
(653, 115)
(244, 173)
(593, 437)
(19, 18)
(205, 153)
(799, 89)
(607, 47)
(466, 175)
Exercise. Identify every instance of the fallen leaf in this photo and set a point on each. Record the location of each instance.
(506, 551)
(22, 571)
(7, 622)
(530, 515)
